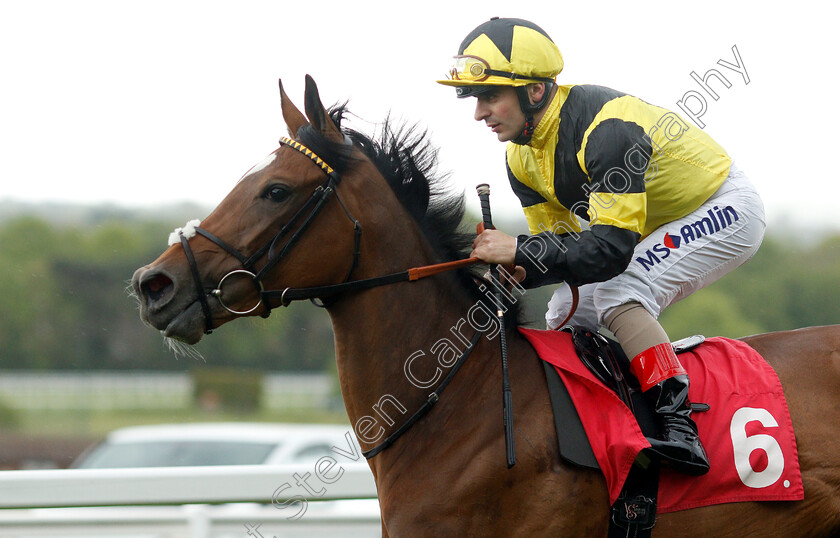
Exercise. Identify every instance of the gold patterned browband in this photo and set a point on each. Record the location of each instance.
(309, 153)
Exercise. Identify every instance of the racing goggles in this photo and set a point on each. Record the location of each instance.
(470, 68)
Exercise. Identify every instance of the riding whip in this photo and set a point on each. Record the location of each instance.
(507, 401)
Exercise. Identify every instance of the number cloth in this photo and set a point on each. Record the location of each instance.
(747, 433)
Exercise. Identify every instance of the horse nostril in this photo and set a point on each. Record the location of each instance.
(156, 287)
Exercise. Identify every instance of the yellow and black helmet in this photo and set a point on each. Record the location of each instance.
(503, 52)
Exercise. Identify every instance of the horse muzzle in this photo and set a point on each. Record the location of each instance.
(167, 305)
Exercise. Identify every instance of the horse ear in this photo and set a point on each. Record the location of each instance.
(317, 114)
(293, 117)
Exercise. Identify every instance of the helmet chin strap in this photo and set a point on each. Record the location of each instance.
(526, 134)
(529, 109)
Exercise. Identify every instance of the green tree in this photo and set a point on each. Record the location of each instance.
(63, 301)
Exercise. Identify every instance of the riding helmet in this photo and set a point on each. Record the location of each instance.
(503, 52)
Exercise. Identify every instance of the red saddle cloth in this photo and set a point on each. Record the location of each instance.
(747, 433)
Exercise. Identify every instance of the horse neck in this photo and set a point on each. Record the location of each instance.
(378, 330)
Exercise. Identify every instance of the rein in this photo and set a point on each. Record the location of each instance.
(427, 405)
(410, 275)
(275, 254)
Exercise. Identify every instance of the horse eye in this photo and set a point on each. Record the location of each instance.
(277, 193)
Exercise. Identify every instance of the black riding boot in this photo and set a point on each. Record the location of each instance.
(678, 443)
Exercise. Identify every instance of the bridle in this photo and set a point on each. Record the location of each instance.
(306, 214)
(274, 252)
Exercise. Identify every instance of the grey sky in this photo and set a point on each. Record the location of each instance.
(145, 103)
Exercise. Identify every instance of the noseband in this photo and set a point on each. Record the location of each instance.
(313, 206)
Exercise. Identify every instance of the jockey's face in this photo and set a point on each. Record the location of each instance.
(499, 109)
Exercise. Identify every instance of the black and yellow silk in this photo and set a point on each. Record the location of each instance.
(623, 165)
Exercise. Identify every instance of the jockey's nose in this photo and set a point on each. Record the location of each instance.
(481, 110)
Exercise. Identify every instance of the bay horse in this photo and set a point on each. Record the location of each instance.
(446, 476)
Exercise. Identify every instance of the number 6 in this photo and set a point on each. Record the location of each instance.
(743, 445)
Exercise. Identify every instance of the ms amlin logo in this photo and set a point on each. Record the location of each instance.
(717, 220)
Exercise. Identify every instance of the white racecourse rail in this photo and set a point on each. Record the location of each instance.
(170, 502)
(147, 390)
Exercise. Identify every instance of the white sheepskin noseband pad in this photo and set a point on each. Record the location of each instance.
(188, 231)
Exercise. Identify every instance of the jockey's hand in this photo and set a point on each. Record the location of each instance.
(493, 246)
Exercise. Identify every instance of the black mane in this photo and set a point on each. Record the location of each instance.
(408, 161)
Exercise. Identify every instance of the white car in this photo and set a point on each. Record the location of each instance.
(290, 448)
(174, 445)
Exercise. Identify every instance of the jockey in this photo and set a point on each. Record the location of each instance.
(667, 211)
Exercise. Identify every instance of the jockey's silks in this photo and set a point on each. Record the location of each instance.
(611, 158)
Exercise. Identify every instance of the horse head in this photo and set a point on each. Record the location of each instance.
(288, 204)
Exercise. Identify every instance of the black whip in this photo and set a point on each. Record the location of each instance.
(507, 401)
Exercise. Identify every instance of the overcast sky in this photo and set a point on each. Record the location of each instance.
(146, 103)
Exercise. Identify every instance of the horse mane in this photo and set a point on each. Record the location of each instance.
(408, 161)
